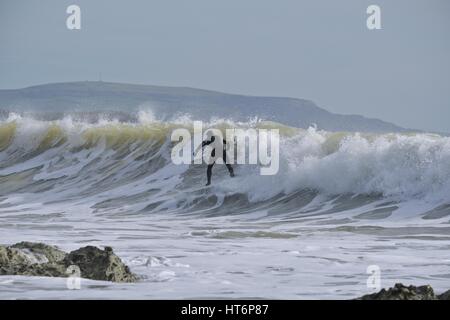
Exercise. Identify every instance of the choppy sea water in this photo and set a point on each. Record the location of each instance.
(340, 203)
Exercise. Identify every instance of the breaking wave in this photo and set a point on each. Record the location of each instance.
(113, 167)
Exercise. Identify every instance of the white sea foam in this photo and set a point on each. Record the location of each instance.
(393, 165)
(340, 202)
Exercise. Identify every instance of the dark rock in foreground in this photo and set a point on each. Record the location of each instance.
(444, 296)
(100, 264)
(38, 259)
(401, 292)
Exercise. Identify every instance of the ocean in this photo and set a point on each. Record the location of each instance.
(342, 202)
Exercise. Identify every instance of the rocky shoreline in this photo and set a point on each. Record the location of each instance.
(38, 259)
(402, 292)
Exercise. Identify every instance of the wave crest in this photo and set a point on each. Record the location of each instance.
(112, 160)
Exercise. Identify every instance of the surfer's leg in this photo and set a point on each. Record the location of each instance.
(229, 167)
(209, 173)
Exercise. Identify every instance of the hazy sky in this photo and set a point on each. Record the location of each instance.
(316, 49)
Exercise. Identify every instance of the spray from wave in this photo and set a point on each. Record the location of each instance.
(119, 166)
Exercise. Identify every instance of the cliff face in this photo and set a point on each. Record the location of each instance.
(170, 101)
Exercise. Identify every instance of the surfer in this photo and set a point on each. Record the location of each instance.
(211, 139)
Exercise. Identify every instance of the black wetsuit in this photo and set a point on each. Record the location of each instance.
(213, 154)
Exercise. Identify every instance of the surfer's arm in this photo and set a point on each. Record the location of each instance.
(204, 143)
